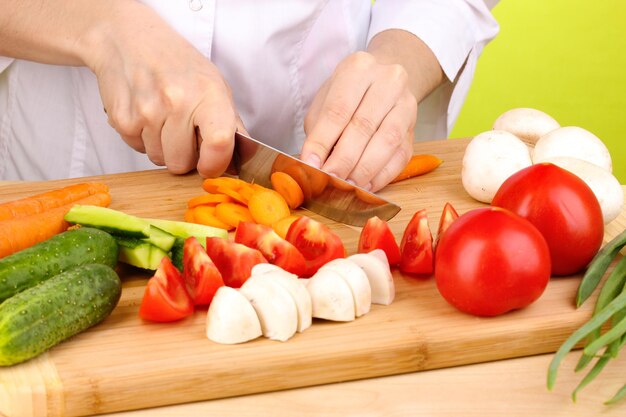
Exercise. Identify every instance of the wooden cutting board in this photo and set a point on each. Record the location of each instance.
(124, 363)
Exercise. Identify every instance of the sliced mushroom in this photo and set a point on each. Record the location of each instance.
(331, 296)
(378, 272)
(357, 281)
(231, 318)
(274, 305)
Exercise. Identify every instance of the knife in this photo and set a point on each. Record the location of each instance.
(324, 194)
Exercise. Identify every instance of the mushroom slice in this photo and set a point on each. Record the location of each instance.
(299, 294)
(331, 296)
(265, 267)
(231, 318)
(376, 267)
(357, 280)
(274, 305)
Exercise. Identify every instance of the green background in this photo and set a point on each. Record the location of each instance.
(564, 57)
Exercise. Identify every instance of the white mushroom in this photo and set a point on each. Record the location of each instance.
(490, 158)
(357, 281)
(604, 185)
(574, 142)
(274, 305)
(331, 296)
(376, 267)
(526, 123)
(264, 267)
(231, 318)
(298, 293)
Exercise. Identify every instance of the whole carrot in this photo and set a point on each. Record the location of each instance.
(22, 232)
(418, 165)
(51, 199)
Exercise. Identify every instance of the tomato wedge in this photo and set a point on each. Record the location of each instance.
(200, 273)
(316, 242)
(233, 260)
(273, 247)
(166, 298)
(448, 216)
(376, 234)
(417, 246)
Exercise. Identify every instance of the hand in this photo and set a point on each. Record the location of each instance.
(163, 96)
(360, 124)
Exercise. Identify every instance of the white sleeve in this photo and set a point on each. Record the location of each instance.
(455, 30)
(4, 62)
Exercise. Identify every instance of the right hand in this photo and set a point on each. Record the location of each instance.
(163, 96)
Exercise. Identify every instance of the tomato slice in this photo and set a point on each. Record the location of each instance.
(417, 246)
(233, 260)
(166, 298)
(448, 216)
(200, 273)
(376, 234)
(273, 247)
(316, 242)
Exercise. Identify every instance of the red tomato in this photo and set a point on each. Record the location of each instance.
(491, 261)
(316, 242)
(562, 207)
(200, 273)
(417, 246)
(233, 260)
(273, 247)
(166, 298)
(376, 234)
(448, 216)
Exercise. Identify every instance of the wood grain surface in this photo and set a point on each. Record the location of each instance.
(125, 364)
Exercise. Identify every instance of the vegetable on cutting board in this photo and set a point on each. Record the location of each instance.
(528, 124)
(22, 232)
(419, 164)
(357, 281)
(42, 316)
(42, 261)
(231, 318)
(489, 159)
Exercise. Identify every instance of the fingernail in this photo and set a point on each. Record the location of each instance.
(367, 187)
(313, 160)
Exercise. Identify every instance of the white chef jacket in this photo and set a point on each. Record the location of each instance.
(275, 54)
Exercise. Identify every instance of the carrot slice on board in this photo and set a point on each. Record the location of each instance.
(23, 232)
(233, 213)
(51, 199)
(235, 195)
(206, 215)
(267, 207)
(208, 199)
(286, 186)
(210, 185)
(189, 217)
(418, 165)
(281, 226)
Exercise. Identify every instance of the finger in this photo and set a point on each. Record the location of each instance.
(178, 138)
(216, 124)
(345, 93)
(151, 138)
(393, 167)
(394, 136)
(379, 99)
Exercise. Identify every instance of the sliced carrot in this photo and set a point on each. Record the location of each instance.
(233, 213)
(189, 216)
(208, 199)
(210, 185)
(267, 207)
(51, 199)
(206, 215)
(286, 186)
(258, 187)
(418, 165)
(282, 226)
(246, 192)
(235, 195)
(23, 232)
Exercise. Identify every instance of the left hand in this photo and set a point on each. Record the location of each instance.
(360, 124)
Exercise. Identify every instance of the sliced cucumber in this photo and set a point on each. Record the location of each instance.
(185, 229)
(112, 221)
(140, 253)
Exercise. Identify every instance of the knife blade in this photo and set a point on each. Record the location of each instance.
(324, 194)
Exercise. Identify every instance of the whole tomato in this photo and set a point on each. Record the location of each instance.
(491, 261)
(562, 207)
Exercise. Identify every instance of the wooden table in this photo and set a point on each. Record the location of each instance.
(498, 387)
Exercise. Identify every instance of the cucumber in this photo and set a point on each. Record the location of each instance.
(139, 253)
(40, 317)
(185, 229)
(44, 260)
(109, 220)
